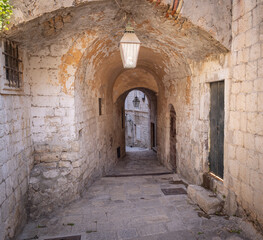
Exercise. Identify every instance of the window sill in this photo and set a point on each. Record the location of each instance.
(6, 90)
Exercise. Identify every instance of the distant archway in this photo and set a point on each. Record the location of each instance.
(137, 120)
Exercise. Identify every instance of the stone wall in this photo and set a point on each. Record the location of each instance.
(244, 139)
(241, 71)
(15, 157)
(68, 70)
(74, 143)
(55, 145)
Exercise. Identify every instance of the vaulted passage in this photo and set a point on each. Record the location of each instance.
(70, 128)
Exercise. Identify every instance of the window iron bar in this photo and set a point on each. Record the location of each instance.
(12, 64)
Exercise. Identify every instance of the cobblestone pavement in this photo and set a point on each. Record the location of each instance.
(134, 207)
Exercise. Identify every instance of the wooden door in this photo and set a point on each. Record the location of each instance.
(216, 155)
(152, 134)
(173, 138)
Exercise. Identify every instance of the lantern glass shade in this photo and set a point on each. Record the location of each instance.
(129, 48)
(136, 102)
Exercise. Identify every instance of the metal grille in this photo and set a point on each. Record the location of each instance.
(12, 64)
(173, 191)
(66, 238)
(100, 106)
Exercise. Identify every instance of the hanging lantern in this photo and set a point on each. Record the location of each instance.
(136, 102)
(129, 48)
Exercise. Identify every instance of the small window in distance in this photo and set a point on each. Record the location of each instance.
(118, 152)
(122, 117)
(100, 106)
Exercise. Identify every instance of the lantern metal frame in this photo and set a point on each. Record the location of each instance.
(129, 47)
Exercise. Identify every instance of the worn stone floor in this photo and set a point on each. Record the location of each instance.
(138, 161)
(134, 207)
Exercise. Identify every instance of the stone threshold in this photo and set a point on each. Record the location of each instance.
(139, 174)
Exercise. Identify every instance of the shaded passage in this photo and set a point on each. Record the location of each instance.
(138, 161)
(135, 207)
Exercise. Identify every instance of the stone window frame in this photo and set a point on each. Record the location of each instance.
(5, 87)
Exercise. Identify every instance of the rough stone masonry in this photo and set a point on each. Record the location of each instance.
(53, 141)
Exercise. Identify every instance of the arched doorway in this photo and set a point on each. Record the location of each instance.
(137, 120)
(173, 138)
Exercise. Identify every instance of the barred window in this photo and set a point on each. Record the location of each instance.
(12, 66)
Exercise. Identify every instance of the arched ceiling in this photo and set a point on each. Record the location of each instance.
(132, 79)
(105, 17)
(167, 44)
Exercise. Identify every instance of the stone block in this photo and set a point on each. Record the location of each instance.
(243, 57)
(260, 101)
(235, 87)
(231, 150)
(259, 143)
(246, 193)
(239, 72)
(233, 168)
(260, 68)
(238, 138)
(247, 86)
(2, 193)
(241, 155)
(254, 52)
(249, 5)
(241, 102)
(252, 123)
(258, 86)
(239, 42)
(232, 102)
(257, 15)
(249, 141)
(244, 173)
(251, 102)
(245, 22)
(251, 37)
(238, 11)
(4, 210)
(65, 164)
(51, 174)
(204, 199)
(251, 71)
(234, 123)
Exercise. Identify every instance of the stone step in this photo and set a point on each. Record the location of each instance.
(205, 199)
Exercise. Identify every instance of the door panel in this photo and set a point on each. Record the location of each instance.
(216, 155)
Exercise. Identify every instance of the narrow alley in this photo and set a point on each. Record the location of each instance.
(129, 206)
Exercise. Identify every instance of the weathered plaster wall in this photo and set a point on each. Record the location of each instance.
(53, 130)
(73, 144)
(211, 15)
(26, 10)
(15, 157)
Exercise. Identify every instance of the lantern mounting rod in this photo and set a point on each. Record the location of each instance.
(123, 9)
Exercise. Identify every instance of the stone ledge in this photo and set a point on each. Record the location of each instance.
(205, 199)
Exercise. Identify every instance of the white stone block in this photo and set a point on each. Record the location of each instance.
(205, 199)
(2, 193)
(51, 174)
